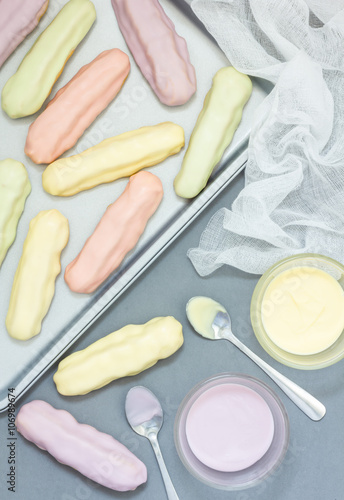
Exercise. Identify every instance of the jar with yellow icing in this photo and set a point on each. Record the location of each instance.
(297, 311)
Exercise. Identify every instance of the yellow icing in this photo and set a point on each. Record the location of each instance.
(123, 353)
(201, 313)
(27, 89)
(34, 281)
(303, 310)
(116, 157)
(14, 189)
(214, 130)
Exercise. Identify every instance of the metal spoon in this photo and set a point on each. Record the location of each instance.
(215, 324)
(145, 416)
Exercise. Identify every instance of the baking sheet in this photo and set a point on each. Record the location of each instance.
(22, 363)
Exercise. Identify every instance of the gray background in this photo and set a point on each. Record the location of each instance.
(313, 467)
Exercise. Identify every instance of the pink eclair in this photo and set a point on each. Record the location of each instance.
(76, 106)
(116, 234)
(17, 19)
(94, 454)
(161, 54)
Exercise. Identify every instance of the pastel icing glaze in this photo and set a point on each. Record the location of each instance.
(76, 106)
(34, 281)
(201, 312)
(126, 352)
(17, 20)
(214, 130)
(94, 454)
(161, 54)
(116, 234)
(229, 427)
(28, 88)
(15, 187)
(113, 158)
(303, 310)
(141, 405)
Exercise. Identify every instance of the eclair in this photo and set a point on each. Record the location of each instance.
(160, 53)
(76, 106)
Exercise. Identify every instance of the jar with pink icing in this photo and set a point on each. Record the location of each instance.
(231, 431)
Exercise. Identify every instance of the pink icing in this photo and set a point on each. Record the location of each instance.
(161, 54)
(76, 105)
(229, 427)
(95, 454)
(17, 19)
(141, 405)
(116, 234)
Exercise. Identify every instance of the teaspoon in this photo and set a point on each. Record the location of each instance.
(145, 416)
(211, 320)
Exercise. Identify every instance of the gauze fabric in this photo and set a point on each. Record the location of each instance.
(293, 200)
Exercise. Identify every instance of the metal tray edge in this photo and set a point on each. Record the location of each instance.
(138, 268)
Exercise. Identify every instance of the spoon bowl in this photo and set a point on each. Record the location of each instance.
(143, 411)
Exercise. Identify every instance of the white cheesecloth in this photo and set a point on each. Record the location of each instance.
(293, 200)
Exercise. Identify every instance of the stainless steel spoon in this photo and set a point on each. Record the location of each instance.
(215, 324)
(145, 416)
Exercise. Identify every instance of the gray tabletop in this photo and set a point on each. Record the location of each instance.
(313, 466)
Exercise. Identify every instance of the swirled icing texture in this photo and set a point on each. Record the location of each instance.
(123, 353)
(116, 234)
(214, 130)
(34, 281)
(17, 20)
(116, 157)
(26, 90)
(15, 187)
(76, 106)
(161, 54)
(94, 454)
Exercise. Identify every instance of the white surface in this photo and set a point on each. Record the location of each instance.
(135, 106)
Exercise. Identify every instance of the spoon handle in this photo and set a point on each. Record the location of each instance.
(305, 401)
(171, 492)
